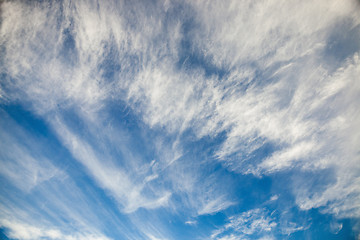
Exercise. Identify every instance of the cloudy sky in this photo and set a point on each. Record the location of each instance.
(147, 119)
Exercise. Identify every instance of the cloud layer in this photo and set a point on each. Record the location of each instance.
(162, 104)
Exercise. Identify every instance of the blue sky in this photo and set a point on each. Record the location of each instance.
(217, 120)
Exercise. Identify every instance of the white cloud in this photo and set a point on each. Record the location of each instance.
(255, 224)
(266, 32)
(304, 107)
(191, 222)
(215, 205)
(109, 174)
(76, 83)
(229, 237)
(303, 124)
(19, 230)
(21, 153)
(48, 202)
(274, 198)
(291, 227)
(250, 224)
(336, 227)
(151, 237)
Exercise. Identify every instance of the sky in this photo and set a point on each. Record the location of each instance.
(179, 120)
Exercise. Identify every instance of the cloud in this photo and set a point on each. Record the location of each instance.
(111, 177)
(336, 227)
(191, 222)
(23, 157)
(266, 32)
(214, 206)
(294, 104)
(25, 231)
(37, 73)
(151, 237)
(253, 223)
(259, 74)
(256, 223)
(274, 198)
(40, 196)
(291, 227)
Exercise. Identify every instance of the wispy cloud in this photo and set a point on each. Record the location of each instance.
(256, 223)
(41, 177)
(191, 222)
(23, 157)
(214, 206)
(253, 223)
(47, 202)
(263, 81)
(294, 106)
(113, 178)
(29, 232)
